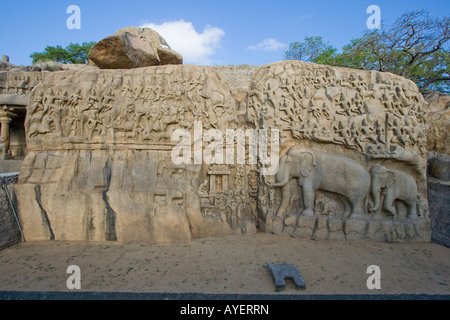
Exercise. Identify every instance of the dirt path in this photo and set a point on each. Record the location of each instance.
(231, 265)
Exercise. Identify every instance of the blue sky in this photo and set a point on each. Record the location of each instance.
(205, 32)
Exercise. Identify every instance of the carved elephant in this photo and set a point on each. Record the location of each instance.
(393, 185)
(315, 170)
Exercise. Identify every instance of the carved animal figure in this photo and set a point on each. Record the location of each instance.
(393, 185)
(37, 128)
(315, 170)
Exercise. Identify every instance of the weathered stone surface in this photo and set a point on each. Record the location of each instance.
(306, 222)
(438, 116)
(133, 47)
(437, 101)
(168, 56)
(387, 227)
(162, 49)
(277, 226)
(399, 228)
(374, 231)
(438, 197)
(352, 159)
(438, 138)
(423, 230)
(100, 164)
(123, 51)
(14, 99)
(15, 89)
(335, 228)
(18, 83)
(352, 145)
(439, 167)
(305, 227)
(355, 229)
(291, 220)
(238, 76)
(321, 231)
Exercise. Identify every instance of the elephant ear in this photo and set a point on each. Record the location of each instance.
(389, 179)
(307, 164)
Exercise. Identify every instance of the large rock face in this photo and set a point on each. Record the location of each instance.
(99, 165)
(438, 196)
(133, 47)
(438, 191)
(353, 153)
(438, 116)
(170, 153)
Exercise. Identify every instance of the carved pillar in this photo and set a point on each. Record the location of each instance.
(5, 119)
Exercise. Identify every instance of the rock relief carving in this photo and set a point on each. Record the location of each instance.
(336, 126)
(134, 109)
(342, 123)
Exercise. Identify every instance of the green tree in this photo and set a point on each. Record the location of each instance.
(313, 49)
(73, 53)
(415, 47)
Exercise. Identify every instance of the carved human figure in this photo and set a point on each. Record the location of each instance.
(366, 132)
(397, 133)
(408, 132)
(314, 110)
(354, 134)
(233, 203)
(108, 99)
(75, 98)
(221, 209)
(344, 136)
(326, 111)
(380, 132)
(49, 98)
(392, 185)
(345, 107)
(71, 122)
(63, 99)
(37, 103)
(316, 170)
(56, 113)
(288, 110)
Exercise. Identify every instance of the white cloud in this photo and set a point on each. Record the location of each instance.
(195, 47)
(269, 44)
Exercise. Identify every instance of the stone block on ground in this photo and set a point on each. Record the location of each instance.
(280, 272)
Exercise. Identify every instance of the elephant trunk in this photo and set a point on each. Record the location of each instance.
(375, 194)
(283, 174)
(283, 182)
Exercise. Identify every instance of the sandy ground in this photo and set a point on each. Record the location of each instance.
(230, 265)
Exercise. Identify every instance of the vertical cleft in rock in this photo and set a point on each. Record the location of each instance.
(110, 219)
(110, 213)
(44, 216)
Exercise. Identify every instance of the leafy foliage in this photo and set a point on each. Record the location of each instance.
(73, 53)
(313, 49)
(415, 47)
